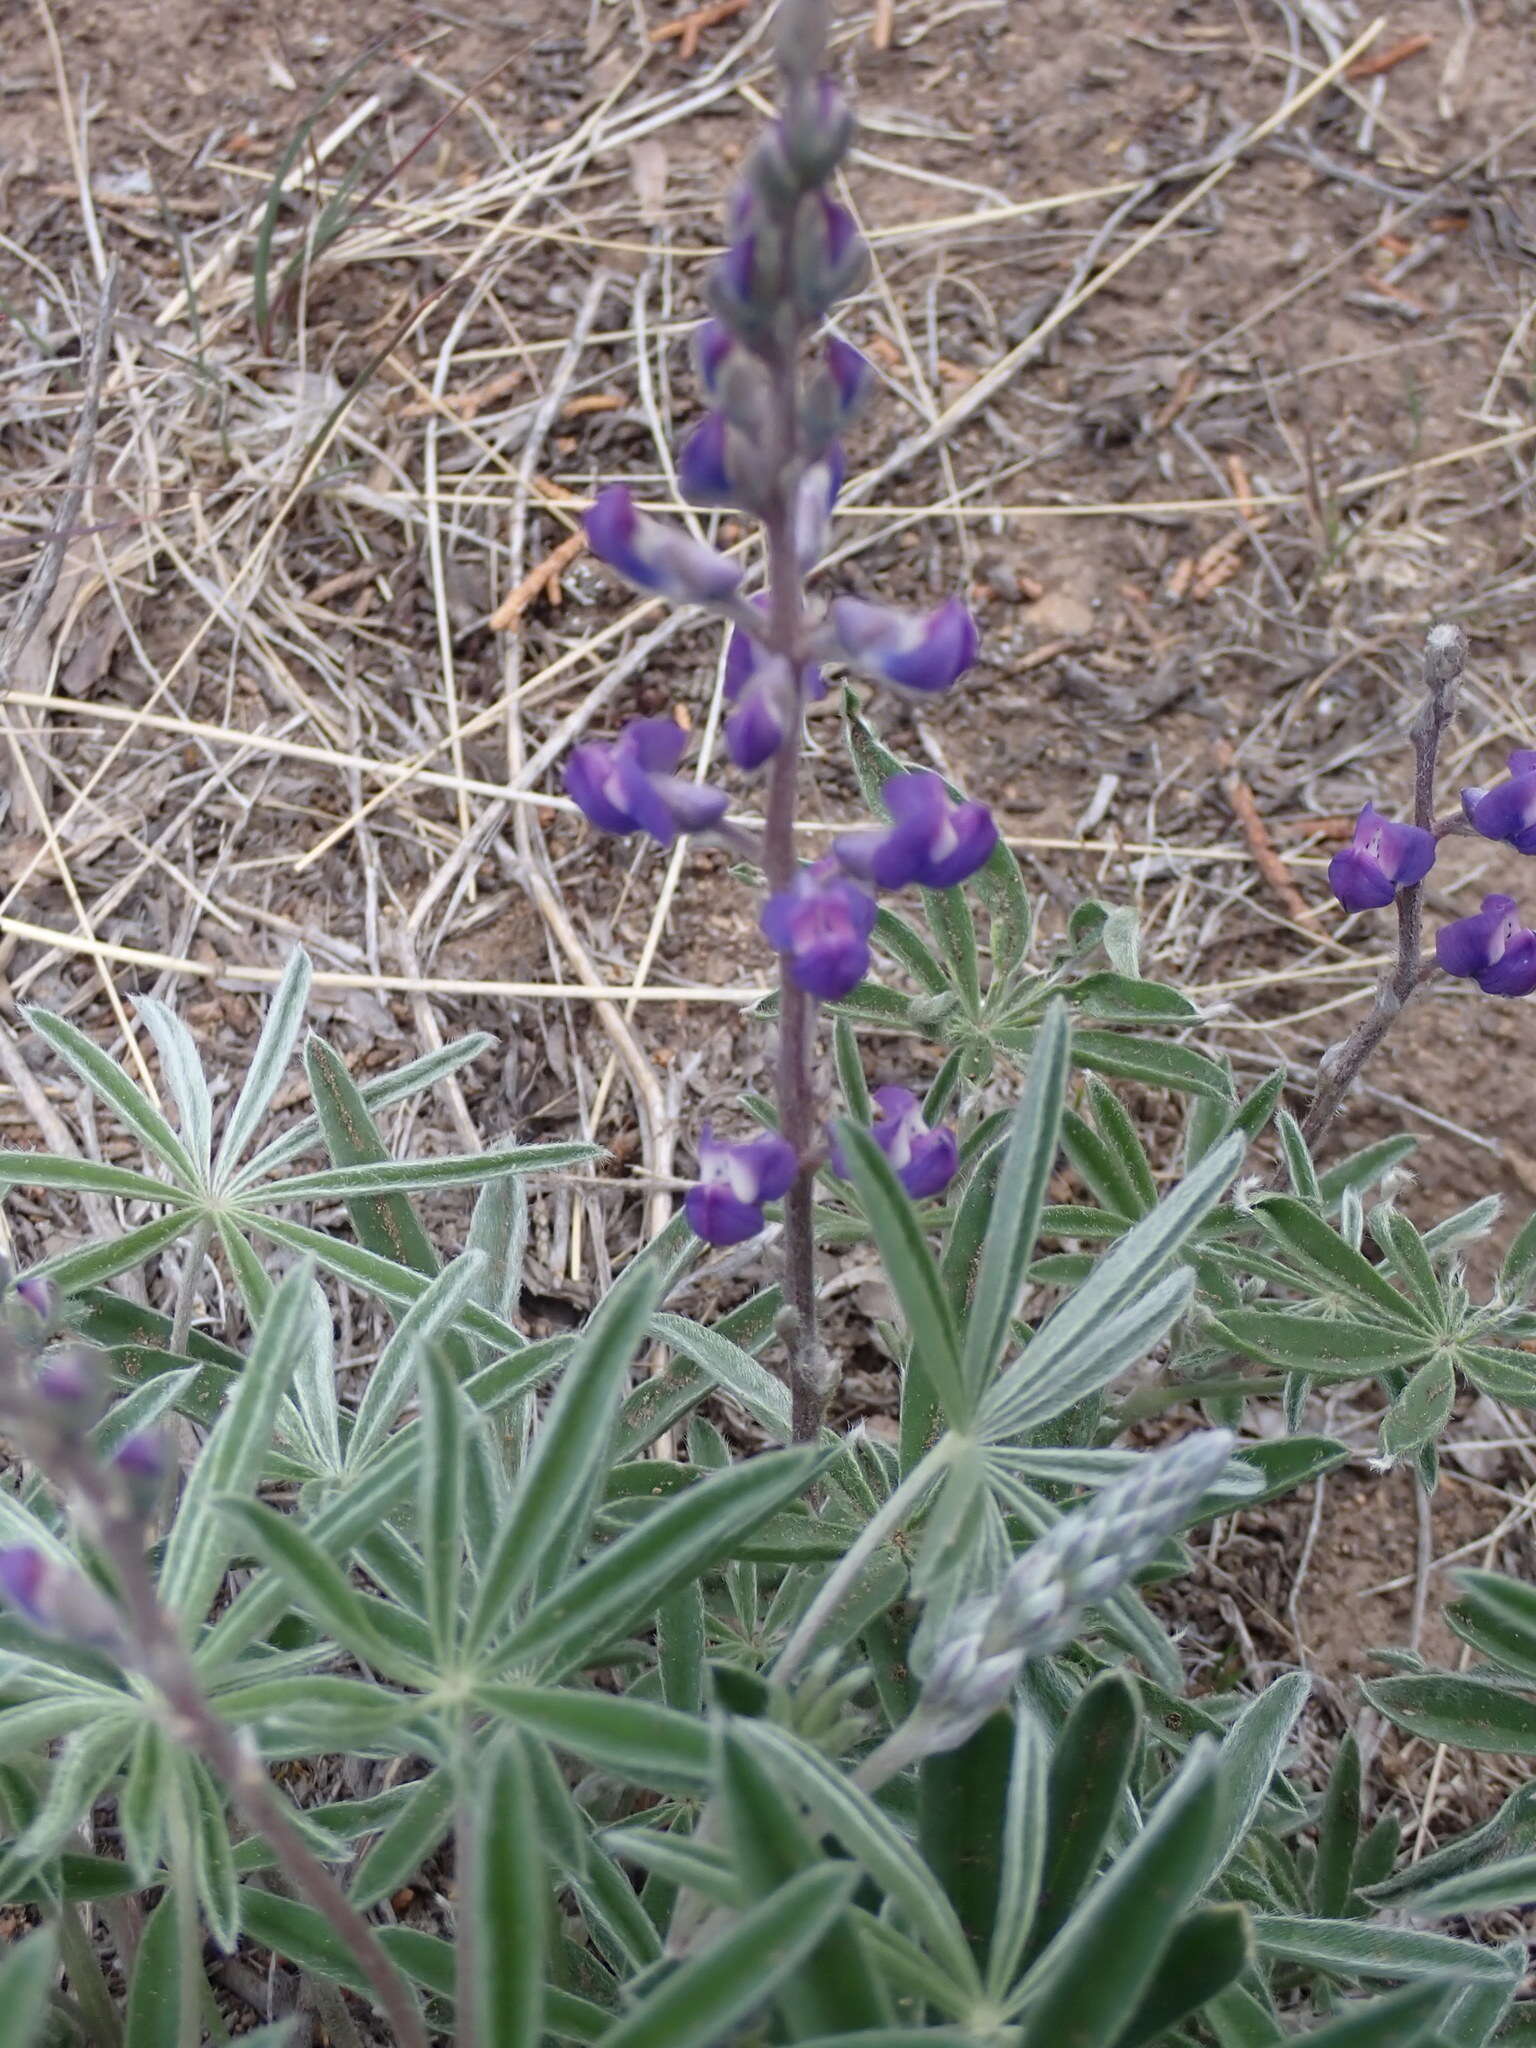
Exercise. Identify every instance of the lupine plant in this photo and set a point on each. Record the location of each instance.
(492, 1696)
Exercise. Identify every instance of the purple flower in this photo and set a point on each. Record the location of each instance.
(924, 1160)
(72, 1386)
(655, 556)
(821, 924)
(703, 464)
(37, 1295)
(762, 688)
(1381, 859)
(141, 1462)
(712, 344)
(852, 374)
(628, 785)
(1508, 810)
(726, 1206)
(929, 840)
(918, 651)
(1491, 949)
(23, 1580)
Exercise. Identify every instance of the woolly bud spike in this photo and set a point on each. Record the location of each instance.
(56, 1598)
(1079, 1563)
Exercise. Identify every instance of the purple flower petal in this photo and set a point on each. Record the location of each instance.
(23, 1579)
(719, 1218)
(852, 373)
(703, 467)
(625, 786)
(1471, 945)
(931, 840)
(924, 653)
(1358, 882)
(1514, 972)
(655, 556)
(1508, 811)
(924, 1160)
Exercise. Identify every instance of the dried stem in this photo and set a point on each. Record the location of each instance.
(1445, 655)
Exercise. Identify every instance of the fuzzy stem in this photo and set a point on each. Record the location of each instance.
(158, 1655)
(794, 1083)
(1445, 655)
(186, 1291)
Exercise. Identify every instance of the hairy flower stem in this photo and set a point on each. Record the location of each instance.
(1445, 656)
(155, 1651)
(794, 1082)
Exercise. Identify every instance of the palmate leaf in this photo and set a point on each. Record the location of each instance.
(373, 1179)
(90, 1177)
(1356, 1950)
(183, 1073)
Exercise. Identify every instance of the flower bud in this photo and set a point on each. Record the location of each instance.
(57, 1599)
(815, 132)
(815, 496)
(834, 395)
(72, 1387)
(142, 1462)
(35, 1303)
(829, 258)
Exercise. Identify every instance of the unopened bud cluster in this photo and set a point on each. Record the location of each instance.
(770, 444)
(1042, 1604)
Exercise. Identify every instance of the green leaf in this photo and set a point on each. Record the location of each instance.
(1403, 2019)
(274, 1048)
(320, 1587)
(1124, 999)
(1209, 1951)
(911, 1270)
(380, 1093)
(1485, 1890)
(1000, 885)
(1497, 1616)
(1090, 1772)
(197, 1551)
(384, 1279)
(631, 1739)
(107, 1080)
(697, 2005)
(1154, 1065)
(212, 1853)
(691, 1532)
(385, 1223)
(77, 1776)
(1078, 1333)
(949, 919)
(735, 1371)
(1325, 1347)
(1025, 1836)
(1330, 1258)
(905, 946)
(91, 1177)
(414, 1833)
(1129, 1915)
(1018, 1199)
(1356, 1950)
(770, 1845)
(1517, 1275)
(558, 1486)
(1469, 1713)
(1419, 1413)
(850, 1072)
(425, 1324)
(90, 1264)
(1063, 1364)
(872, 1839)
(440, 1503)
(141, 1802)
(182, 1071)
(504, 1928)
(1338, 1834)
(1250, 1756)
(26, 1978)
(379, 1179)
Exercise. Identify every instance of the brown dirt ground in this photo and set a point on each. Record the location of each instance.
(1341, 324)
